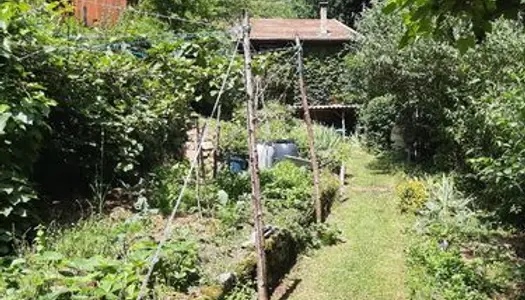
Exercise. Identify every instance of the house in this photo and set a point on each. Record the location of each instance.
(322, 38)
(99, 12)
(313, 33)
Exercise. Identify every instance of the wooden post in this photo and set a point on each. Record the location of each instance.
(199, 162)
(217, 143)
(342, 172)
(262, 286)
(310, 131)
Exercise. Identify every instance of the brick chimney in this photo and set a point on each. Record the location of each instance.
(324, 16)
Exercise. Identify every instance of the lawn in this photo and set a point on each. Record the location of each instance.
(370, 263)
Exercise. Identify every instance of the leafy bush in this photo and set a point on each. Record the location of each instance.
(24, 107)
(331, 148)
(235, 185)
(443, 274)
(453, 110)
(496, 147)
(98, 259)
(412, 195)
(448, 214)
(378, 120)
(453, 255)
(79, 116)
(287, 186)
(166, 186)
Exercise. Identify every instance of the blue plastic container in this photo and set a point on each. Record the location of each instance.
(237, 164)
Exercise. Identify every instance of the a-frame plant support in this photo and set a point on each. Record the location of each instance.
(310, 132)
(262, 285)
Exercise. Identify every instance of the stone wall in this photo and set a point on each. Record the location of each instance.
(191, 145)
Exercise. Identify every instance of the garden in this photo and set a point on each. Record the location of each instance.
(95, 122)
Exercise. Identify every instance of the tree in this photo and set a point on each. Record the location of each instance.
(346, 11)
(440, 18)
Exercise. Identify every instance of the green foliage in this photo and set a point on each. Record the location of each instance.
(166, 186)
(331, 147)
(432, 17)
(280, 124)
(80, 116)
(408, 88)
(235, 185)
(346, 11)
(287, 190)
(327, 235)
(223, 11)
(443, 273)
(452, 111)
(412, 195)
(23, 110)
(378, 119)
(243, 292)
(453, 255)
(234, 214)
(496, 159)
(449, 208)
(98, 259)
(326, 76)
(287, 186)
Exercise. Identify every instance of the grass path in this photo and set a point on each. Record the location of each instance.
(371, 263)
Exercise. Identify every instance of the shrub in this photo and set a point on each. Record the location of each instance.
(24, 107)
(453, 255)
(287, 186)
(79, 116)
(454, 111)
(166, 184)
(412, 195)
(329, 186)
(105, 264)
(378, 120)
(442, 273)
(235, 185)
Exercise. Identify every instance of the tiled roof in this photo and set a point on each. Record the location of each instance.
(306, 29)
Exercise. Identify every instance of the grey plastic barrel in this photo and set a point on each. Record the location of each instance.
(284, 148)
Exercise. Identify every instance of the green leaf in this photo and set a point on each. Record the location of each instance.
(6, 211)
(50, 256)
(390, 7)
(4, 108)
(127, 168)
(8, 190)
(4, 117)
(465, 43)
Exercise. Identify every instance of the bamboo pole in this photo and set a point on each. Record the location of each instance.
(262, 285)
(310, 131)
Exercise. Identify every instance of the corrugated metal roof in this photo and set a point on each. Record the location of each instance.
(306, 29)
(329, 107)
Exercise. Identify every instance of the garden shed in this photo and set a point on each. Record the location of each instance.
(342, 117)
